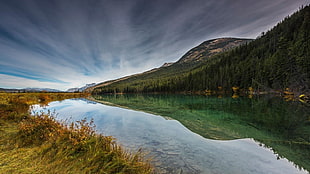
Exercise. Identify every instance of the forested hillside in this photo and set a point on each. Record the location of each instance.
(278, 59)
(152, 78)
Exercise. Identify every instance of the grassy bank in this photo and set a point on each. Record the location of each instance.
(40, 144)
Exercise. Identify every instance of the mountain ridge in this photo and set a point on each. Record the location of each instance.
(189, 60)
(211, 47)
(276, 62)
(29, 90)
(81, 89)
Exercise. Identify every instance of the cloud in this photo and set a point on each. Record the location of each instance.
(73, 43)
(19, 82)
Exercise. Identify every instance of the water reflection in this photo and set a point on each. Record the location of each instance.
(280, 125)
(175, 148)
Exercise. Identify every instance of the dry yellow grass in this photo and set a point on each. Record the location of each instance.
(40, 144)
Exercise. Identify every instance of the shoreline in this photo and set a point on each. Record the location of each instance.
(40, 144)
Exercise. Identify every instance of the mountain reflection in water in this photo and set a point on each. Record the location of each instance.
(263, 133)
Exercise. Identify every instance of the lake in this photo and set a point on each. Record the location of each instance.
(202, 134)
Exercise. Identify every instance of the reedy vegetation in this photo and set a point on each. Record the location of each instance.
(40, 144)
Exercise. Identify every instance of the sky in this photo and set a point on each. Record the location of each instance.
(63, 44)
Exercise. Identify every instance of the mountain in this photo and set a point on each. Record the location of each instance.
(276, 61)
(73, 90)
(81, 89)
(191, 59)
(40, 90)
(279, 60)
(210, 48)
(29, 90)
(10, 90)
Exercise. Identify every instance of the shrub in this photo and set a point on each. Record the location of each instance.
(38, 129)
(66, 147)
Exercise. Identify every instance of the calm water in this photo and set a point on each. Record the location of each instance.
(199, 134)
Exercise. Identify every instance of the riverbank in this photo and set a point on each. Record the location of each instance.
(286, 94)
(40, 144)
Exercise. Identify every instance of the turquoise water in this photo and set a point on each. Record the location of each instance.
(199, 134)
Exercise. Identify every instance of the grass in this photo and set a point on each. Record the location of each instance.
(40, 144)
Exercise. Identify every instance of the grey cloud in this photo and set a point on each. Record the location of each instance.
(84, 41)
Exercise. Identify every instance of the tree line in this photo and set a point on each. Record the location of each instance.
(277, 60)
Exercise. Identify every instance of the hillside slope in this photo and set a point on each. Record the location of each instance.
(279, 59)
(193, 58)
